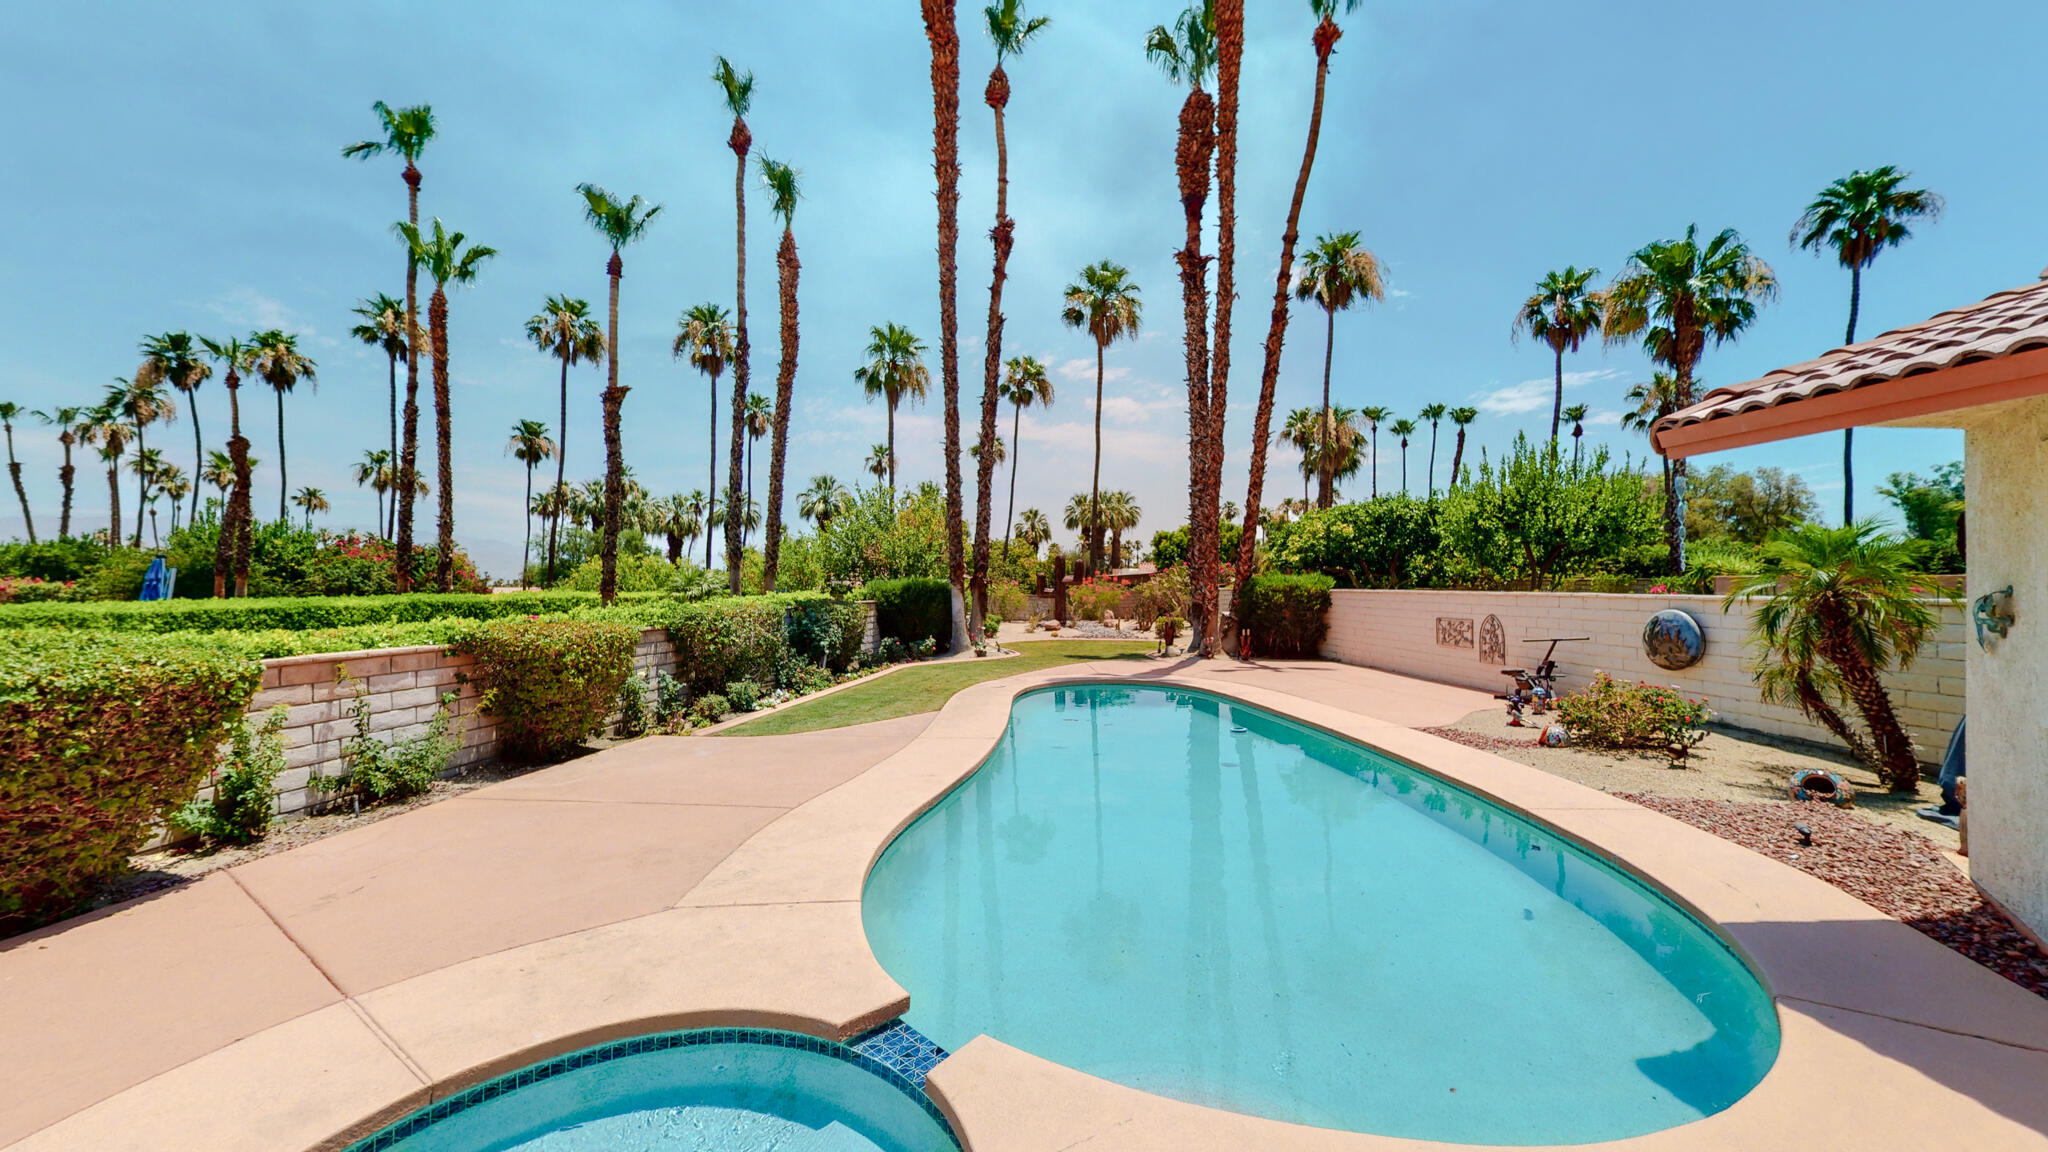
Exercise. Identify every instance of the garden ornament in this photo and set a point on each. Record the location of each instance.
(1817, 784)
(1992, 614)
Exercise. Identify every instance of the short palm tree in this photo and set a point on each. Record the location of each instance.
(1403, 428)
(783, 183)
(1434, 413)
(237, 524)
(565, 330)
(374, 472)
(108, 431)
(1082, 514)
(1653, 400)
(530, 445)
(1561, 313)
(1106, 304)
(1033, 529)
(277, 361)
(1336, 273)
(758, 419)
(1461, 418)
(1576, 413)
(880, 462)
(679, 522)
(1841, 607)
(736, 92)
(704, 338)
(1375, 415)
(619, 222)
(69, 422)
(1676, 295)
(1024, 384)
(147, 465)
(175, 487)
(895, 372)
(9, 413)
(175, 358)
(220, 472)
(1000, 454)
(447, 261)
(1859, 216)
(1120, 514)
(1303, 430)
(141, 401)
(823, 500)
(311, 500)
(383, 328)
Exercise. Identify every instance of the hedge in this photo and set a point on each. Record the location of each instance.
(548, 683)
(753, 638)
(913, 609)
(1286, 615)
(294, 613)
(102, 736)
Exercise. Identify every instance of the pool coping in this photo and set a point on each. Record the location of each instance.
(1914, 1045)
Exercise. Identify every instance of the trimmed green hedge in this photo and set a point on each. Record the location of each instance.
(101, 738)
(1287, 616)
(760, 638)
(295, 613)
(913, 609)
(548, 683)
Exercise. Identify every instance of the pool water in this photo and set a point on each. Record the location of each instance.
(732, 1090)
(1206, 901)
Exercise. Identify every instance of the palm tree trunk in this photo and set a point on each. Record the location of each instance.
(1195, 150)
(740, 141)
(283, 486)
(1001, 237)
(1326, 459)
(444, 446)
(1457, 458)
(1816, 705)
(198, 455)
(114, 504)
(526, 541)
(20, 492)
(65, 476)
(711, 452)
(1674, 507)
(1404, 465)
(1892, 748)
(224, 545)
(561, 463)
(787, 269)
(408, 477)
(1375, 425)
(944, 37)
(892, 451)
(1089, 530)
(142, 479)
(1849, 434)
(1557, 393)
(614, 457)
(391, 359)
(1432, 459)
(1010, 510)
(1229, 59)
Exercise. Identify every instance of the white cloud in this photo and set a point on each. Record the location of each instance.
(1085, 370)
(1531, 395)
(1604, 417)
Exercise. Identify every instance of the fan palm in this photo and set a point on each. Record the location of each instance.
(704, 338)
(1461, 418)
(880, 462)
(736, 91)
(1024, 384)
(311, 501)
(1561, 313)
(1120, 514)
(530, 445)
(275, 358)
(943, 36)
(1204, 510)
(1375, 415)
(679, 521)
(1106, 304)
(9, 413)
(895, 371)
(383, 328)
(68, 421)
(823, 500)
(620, 222)
(999, 454)
(1337, 272)
(1434, 413)
(1083, 514)
(565, 330)
(1653, 401)
(175, 487)
(447, 261)
(757, 418)
(374, 472)
(107, 430)
(1577, 415)
(175, 358)
(1033, 529)
(142, 401)
(1403, 428)
(147, 465)
(1301, 430)
(237, 525)
(783, 193)
(1859, 216)
(220, 472)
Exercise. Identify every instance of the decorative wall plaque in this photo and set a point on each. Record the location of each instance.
(1673, 639)
(1453, 633)
(1493, 641)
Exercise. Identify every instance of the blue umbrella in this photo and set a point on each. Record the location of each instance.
(156, 583)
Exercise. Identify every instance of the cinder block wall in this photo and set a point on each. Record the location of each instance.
(1396, 630)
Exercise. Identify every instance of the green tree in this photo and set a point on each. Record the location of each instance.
(447, 262)
(1383, 543)
(1375, 415)
(1303, 431)
(1561, 313)
(236, 541)
(895, 372)
(310, 501)
(373, 471)
(1336, 273)
(276, 360)
(619, 222)
(1533, 518)
(565, 330)
(1747, 507)
(757, 418)
(1024, 384)
(530, 445)
(1576, 413)
(879, 462)
(1932, 506)
(109, 432)
(142, 401)
(824, 499)
(175, 358)
(1033, 529)
(69, 421)
(1403, 428)
(704, 338)
(736, 91)
(1105, 304)
(9, 413)
(383, 328)
(1434, 413)
(783, 193)
(1859, 216)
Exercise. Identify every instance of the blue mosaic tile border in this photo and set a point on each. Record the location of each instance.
(895, 1053)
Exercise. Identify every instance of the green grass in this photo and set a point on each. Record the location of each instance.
(915, 690)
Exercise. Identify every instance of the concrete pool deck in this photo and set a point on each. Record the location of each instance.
(304, 999)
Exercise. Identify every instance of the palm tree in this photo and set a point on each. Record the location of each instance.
(141, 401)
(1375, 415)
(237, 525)
(220, 472)
(1120, 514)
(823, 500)
(1324, 39)
(147, 465)
(1083, 514)
(311, 500)
(276, 358)
(106, 429)
(9, 413)
(1577, 415)
(1561, 313)
(944, 38)
(1000, 453)
(678, 523)
(1434, 413)
(704, 338)
(1842, 606)
(176, 359)
(1106, 304)
(736, 90)
(1303, 430)
(175, 487)
(1676, 294)
(758, 417)
(564, 329)
(1336, 273)
(1024, 384)
(1461, 417)
(620, 222)
(1033, 529)
(68, 422)
(383, 328)
(447, 261)
(1859, 216)
(895, 372)
(1404, 428)
(1653, 401)
(881, 462)
(1203, 506)
(373, 471)
(1009, 30)
(529, 445)
(406, 132)
(783, 193)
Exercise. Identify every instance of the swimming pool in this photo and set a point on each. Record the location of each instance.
(709, 1090)
(1207, 901)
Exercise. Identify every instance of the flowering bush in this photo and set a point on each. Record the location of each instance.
(1613, 714)
(1091, 599)
(30, 590)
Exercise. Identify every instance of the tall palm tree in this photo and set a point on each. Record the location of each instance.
(529, 444)
(276, 359)
(1675, 295)
(1206, 545)
(374, 472)
(565, 330)
(68, 421)
(175, 358)
(1404, 428)
(147, 465)
(1859, 216)
(447, 261)
(758, 418)
(311, 501)
(1561, 313)
(1462, 418)
(1375, 415)
(1336, 273)
(237, 525)
(175, 487)
(1324, 40)
(1120, 514)
(406, 133)
(9, 413)
(1434, 413)
(1653, 400)
(1009, 30)
(1303, 430)
(1106, 304)
(142, 401)
(678, 523)
(620, 222)
(1083, 514)
(823, 500)
(895, 371)
(383, 328)
(108, 430)
(1577, 415)
(1033, 529)
(1345, 445)
(944, 38)
(880, 462)
(704, 338)
(1024, 384)
(784, 191)
(736, 90)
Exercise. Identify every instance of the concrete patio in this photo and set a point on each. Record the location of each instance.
(304, 999)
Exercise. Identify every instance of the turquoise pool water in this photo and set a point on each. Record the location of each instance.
(1206, 901)
(731, 1090)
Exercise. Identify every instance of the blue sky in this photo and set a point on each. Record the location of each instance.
(178, 167)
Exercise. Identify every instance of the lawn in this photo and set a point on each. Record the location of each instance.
(915, 690)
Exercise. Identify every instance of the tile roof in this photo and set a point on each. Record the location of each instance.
(2015, 320)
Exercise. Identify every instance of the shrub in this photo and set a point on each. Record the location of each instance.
(399, 770)
(671, 700)
(632, 706)
(244, 799)
(1093, 599)
(720, 641)
(1286, 615)
(101, 738)
(549, 683)
(293, 613)
(1536, 517)
(1612, 714)
(65, 560)
(892, 651)
(913, 609)
(710, 708)
(886, 535)
(743, 695)
(1007, 600)
(1166, 594)
(825, 632)
(646, 573)
(35, 590)
(1385, 542)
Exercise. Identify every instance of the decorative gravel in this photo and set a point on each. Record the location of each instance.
(1479, 740)
(1901, 874)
